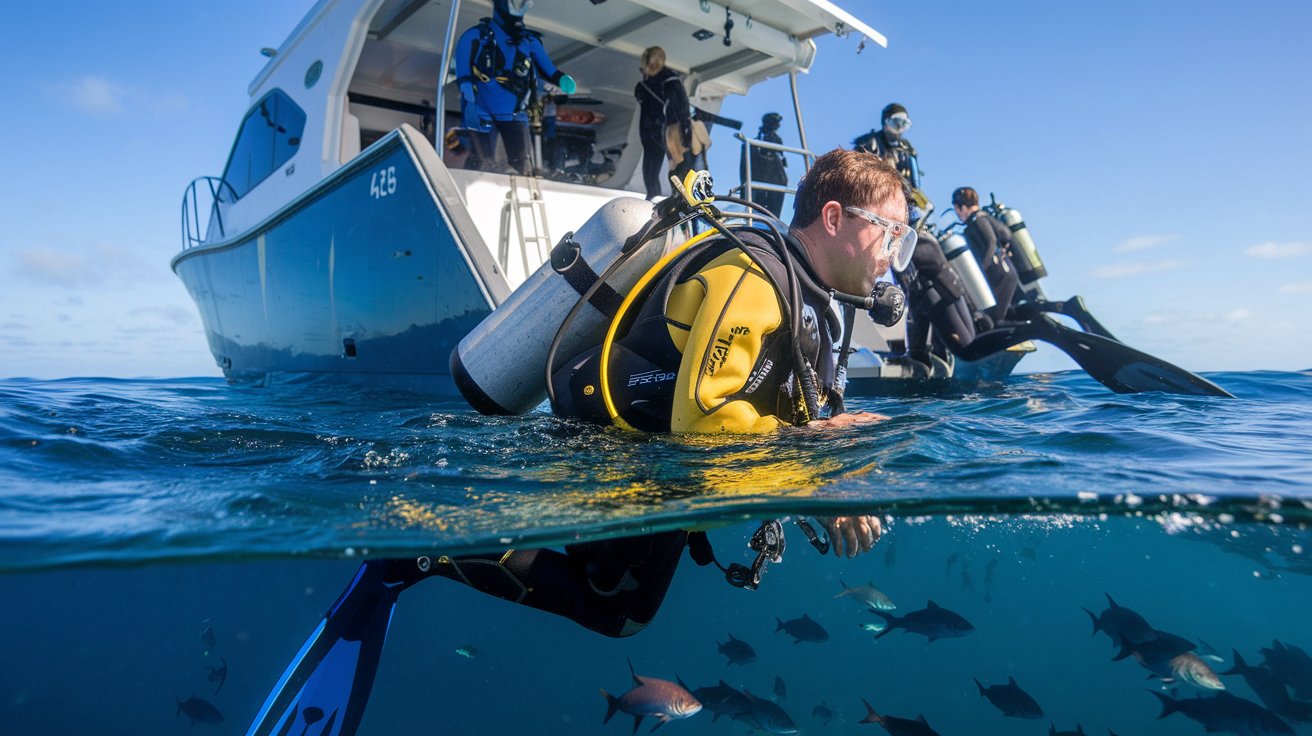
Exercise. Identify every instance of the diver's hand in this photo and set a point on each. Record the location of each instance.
(848, 419)
(851, 535)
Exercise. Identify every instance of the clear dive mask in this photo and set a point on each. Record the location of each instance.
(899, 238)
(898, 123)
(518, 8)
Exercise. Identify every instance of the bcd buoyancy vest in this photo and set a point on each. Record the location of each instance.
(489, 61)
(644, 362)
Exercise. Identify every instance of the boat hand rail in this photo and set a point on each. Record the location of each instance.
(748, 184)
(191, 229)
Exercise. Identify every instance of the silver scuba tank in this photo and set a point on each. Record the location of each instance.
(957, 252)
(500, 366)
(1029, 267)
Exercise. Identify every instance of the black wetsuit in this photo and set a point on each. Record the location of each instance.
(767, 166)
(661, 101)
(990, 241)
(937, 298)
(894, 149)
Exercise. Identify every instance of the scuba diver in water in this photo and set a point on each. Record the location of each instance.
(767, 166)
(718, 326)
(498, 66)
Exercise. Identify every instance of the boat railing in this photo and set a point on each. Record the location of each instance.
(215, 188)
(749, 183)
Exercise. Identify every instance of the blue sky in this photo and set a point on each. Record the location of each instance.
(1158, 152)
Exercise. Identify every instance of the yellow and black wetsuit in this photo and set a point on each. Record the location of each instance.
(711, 348)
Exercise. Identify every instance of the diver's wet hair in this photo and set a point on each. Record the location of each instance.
(965, 197)
(856, 178)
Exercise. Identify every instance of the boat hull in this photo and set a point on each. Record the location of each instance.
(352, 281)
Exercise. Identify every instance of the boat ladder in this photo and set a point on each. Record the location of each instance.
(524, 194)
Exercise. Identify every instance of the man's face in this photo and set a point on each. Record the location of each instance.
(861, 259)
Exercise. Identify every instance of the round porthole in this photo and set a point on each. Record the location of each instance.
(312, 74)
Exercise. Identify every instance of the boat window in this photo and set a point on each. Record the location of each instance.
(269, 137)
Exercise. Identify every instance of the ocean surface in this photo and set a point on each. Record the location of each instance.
(162, 540)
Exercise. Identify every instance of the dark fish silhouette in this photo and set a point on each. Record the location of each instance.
(737, 650)
(1225, 712)
(766, 715)
(803, 629)
(780, 689)
(207, 640)
(1292, 665)
(869, 595)
(966, 582)
(933, 622)
(1052, 731)
(898, 726)
(720, 699)
(1011, 700)
(218, 674)
(1160, 647)
(1270, 689)
(947, 569)
(1121, 624)
(989, 570)
(823, 712)
(199, 711)
(661, 699)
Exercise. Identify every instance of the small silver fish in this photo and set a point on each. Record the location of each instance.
(468, 651)
(875, 627)
(869, 595)
(661, 699)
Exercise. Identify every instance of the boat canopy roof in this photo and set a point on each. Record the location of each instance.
(768, 37)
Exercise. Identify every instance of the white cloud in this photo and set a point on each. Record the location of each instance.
(71, 268)
(1236, 315)
(96, 95)
(1157, 318)
(1271, 250)
(172, 314)
(1142, 242)
(104, 98)
(1299, 288)
(1122, 270)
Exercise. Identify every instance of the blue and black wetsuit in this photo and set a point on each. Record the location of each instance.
(498, 65)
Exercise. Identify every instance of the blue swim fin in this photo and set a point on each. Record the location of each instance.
(324, 690)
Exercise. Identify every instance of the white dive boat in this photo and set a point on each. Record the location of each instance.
(338, 243)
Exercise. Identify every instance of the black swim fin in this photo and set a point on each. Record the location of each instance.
(326, 687)
(1113, 364)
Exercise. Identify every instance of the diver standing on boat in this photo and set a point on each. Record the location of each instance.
(767, 166)
(887, 142)
(663, 112)
(498, 65)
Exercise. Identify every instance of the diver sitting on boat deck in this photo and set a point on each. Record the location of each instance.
(718, 323)
(498, 65)
(991, 243)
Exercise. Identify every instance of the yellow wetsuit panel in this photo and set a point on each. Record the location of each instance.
(730, 306)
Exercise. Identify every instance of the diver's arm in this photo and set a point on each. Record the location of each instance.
(739, 308)
(464, 70)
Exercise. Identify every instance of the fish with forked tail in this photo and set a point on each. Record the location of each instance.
(660, 699)
(898, 726)
(1270, 689)
(766, 715)
(720, 699)
(1225, 712)
(737, 650)
(199, 711)
(932, 622)
(218, 674)
(869, 595)
(1121, 624)
(802, 629)
(1011, 700)
(1292, 665)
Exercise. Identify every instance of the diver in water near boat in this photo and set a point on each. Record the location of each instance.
(715, 324)
(498, 65)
